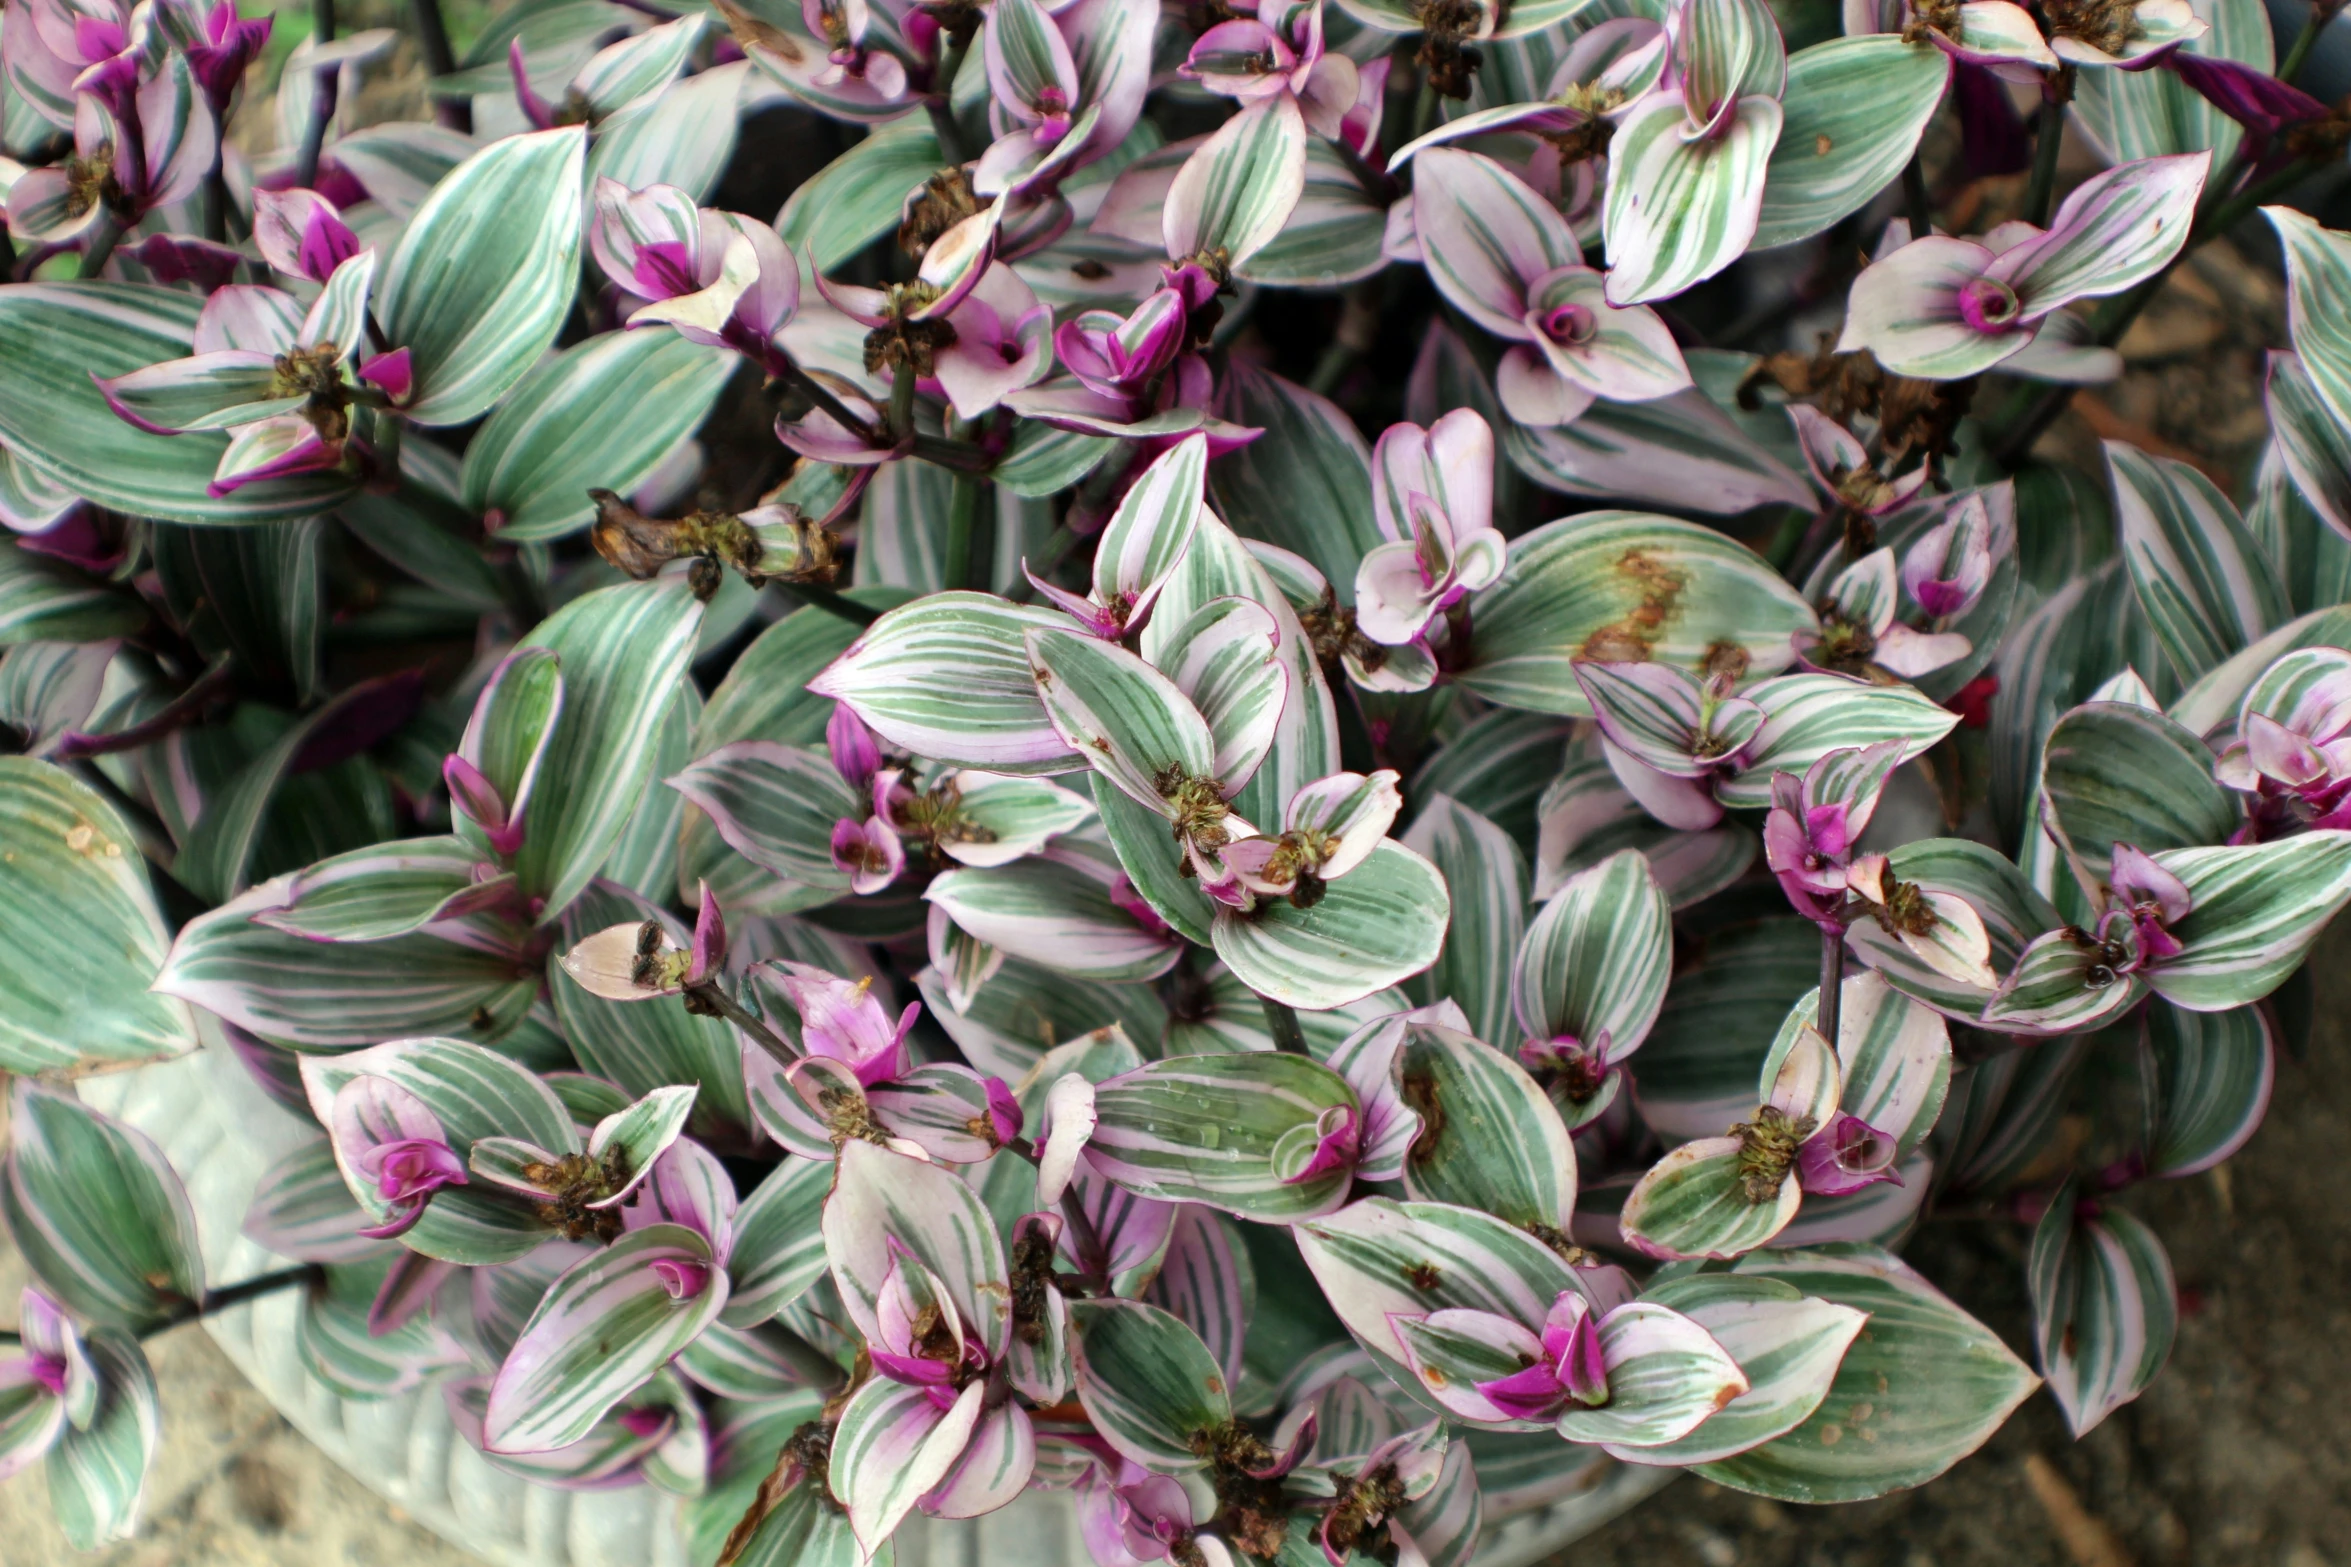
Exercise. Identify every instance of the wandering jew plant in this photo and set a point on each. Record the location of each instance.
(1194, 792)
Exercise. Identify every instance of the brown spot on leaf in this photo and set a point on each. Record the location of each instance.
(1660, 587)
(1423, 1276)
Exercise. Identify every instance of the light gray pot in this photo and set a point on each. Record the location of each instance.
(222, 1132)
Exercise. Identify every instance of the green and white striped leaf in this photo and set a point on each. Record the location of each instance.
(1043, 461)
(2213, 1076)
(606, 1325)
(54, 338)
(302, 1210)
(1698, 1070)
(602, 415)
(389, 890)
(2205, 585)
(1147, 1382)
(1126, 720)
(948, 677)
(2313, 556)
(1489, 1138)
(1206, 1280)
(81, 929)
(1153, 861)
(1893, 1057)
(891, 1447)
(1230, 1131)
(1679, 211)
(1024, 1011)
(1333, 235)
(2060, 985)
(1855, 108)
(1235, 193)
(1786, 1345)
(1927, 1382)
(756, 1363)
(474, 1093)
(644, 1046)
(2213, 700)
(1596, 959)
(1499, 765)
(764, 695)
(1806, 716)
(779, 1251)
(2013, 914)
(1380, 923)
(46, 601)
(2105, 1307)
(1623, 585)
(2254, 914)
(318, 996)
(1305, 484)
(1377, 1259)
(2121, 774)
(775, 805)
(1055, 916)
(884, 1204)
(1693, 1203)
(621, 651)
(334, 1343)
(2318, 305)
(256, 590)
(1146, 537)
(1486, 876)
(1666, 1376)
(2315, 450)
(1683, 451)
(98, 1474)
(857, 198)
(97, 1212)
(2151, 114)
(485, 272)
(2007, 1107)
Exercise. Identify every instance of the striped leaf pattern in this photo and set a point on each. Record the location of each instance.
(1486, 875)
(370, 894)
(1678, 211)
(2105, 1307)
(948, 677)
(1807, 716)
(1787, 1346)
(1129, 722)
(2315, 449)
(1235, 193)
(600, 416)
(2253, 915)
(891, 1447)
(336, 1343)
(2318, 305)
(2013, 915)
(485, 271)
(2213, 1076)
(1682, 451)
(1024, 1011)
(53, 420)
(1596, 959)
(1206, 1282)
(2120, 774)
(97, 1211)
(1855, 108)
(607, 1325)
(98, 1474)
(1593, 585)
(775, 805)
(1378, 1259)
(858, 197)
(1304, 485)
(1333, 234)
(317, 996)
(1926, 1380)
(474, 1093)
(40, 600)
(1694, 1203)
(1489, 1137)
(1147, 1382)
(1697, 1072)
(621, 650)
(2203, 582)
(1499, 765)
(2150, 114)
(1055, 916)
(1893, 1057)
(1379, 924)
(1207, 1129)
(81, 928)
(302, 1210)
(884, 1203)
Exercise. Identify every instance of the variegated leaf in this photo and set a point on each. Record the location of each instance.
(98, 1473)
(948, 677)
(1595, 962)
(1489, 1138)
(1787, 1346)
(2213, 1076)
(1855, 109)
(1380, 923)
(2253, 914)
(2203, 582)
(98, 1213)
(2105, 1307)
(1806, 716)
(1485, 875)
(2318, 305)
(1236, 1132)
(1055, 916)
(1147, 1382)
(1680, 210)
(2121, 774)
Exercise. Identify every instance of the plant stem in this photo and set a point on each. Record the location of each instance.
(1359, 329)
(1832, 983)
(963, 515)
(432, 41)
(2304, 41)
(818, 393)
(1057, 547)
(227, 1298)
(1919, 204)
(325, 82)
(902, 403)
(713, 995)
(2048, 139)
(941, 102)
(95, 254)
(816, 1368)
(817, 596)
(946, 452)
(1282, 1019)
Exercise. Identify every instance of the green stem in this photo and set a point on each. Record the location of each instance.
(322, 97)
(1057, 547)
(818, 393)
(902, 403)
(816, 596)
(100, 249)
(2304, 41)
(1920, 205)
(963, 515)
(1359, 329)
(432, 41)
(712, 994)
(962, 456)
(1424, 109)
(1832, 982)
(2048, 141)
(941, 102)
(1282, 1019)
(234, 1295)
